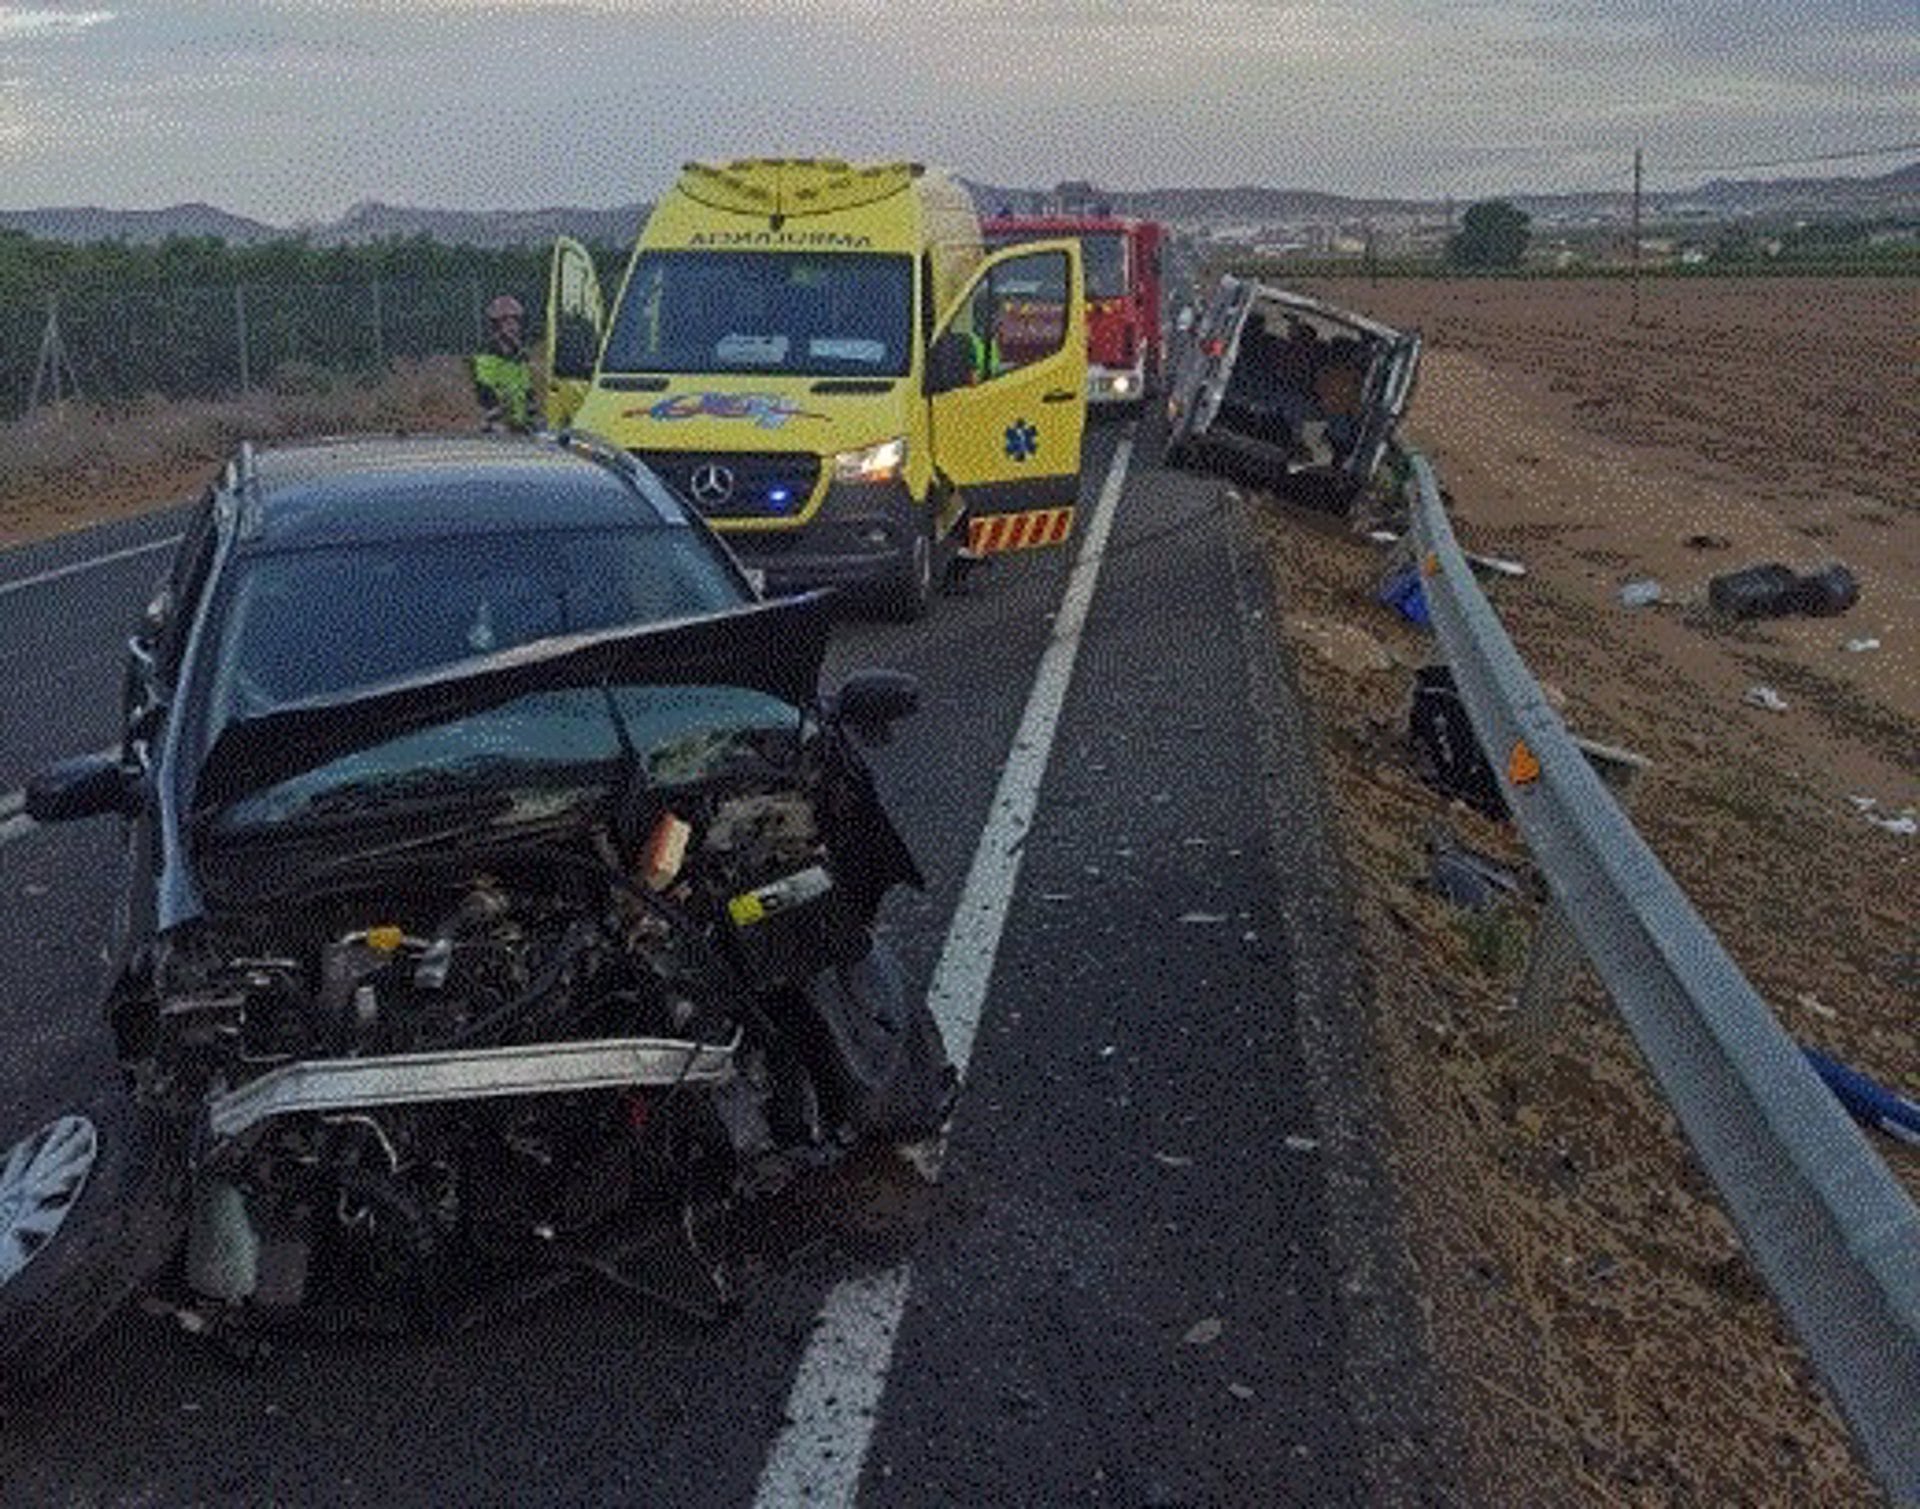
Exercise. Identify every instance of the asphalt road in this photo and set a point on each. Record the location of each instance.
(1157, 1269)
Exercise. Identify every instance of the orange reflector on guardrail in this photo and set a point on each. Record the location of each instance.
(1431, 565)
(1019, 531)
(1523, 768)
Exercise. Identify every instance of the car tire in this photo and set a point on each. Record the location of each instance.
(910, 595)
(91, 1206)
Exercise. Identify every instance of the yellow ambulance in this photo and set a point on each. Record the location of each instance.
(820, 356)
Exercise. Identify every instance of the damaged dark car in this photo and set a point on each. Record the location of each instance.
(500, 895)
(1289, 391)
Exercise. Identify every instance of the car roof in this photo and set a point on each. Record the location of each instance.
(396, 487)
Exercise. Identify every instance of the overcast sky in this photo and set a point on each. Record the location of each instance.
(290, 111)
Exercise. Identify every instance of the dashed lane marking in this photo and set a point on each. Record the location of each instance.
(88, 565)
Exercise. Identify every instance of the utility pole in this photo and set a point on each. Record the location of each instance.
(52, 369)
(1634, 252)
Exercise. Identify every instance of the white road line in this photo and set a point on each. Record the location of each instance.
(835, 1400)
(87, 565)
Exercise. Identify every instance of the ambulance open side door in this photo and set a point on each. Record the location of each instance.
(575, 326)
(1006, 379)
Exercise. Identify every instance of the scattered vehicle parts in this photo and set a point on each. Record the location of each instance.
(1446, 752)
(1774, 590)
(1867, 1101)
(1465, 876)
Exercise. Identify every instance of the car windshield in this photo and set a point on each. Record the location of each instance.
(535, 755)
(805, 314)
(316, 622)
(1105, 259)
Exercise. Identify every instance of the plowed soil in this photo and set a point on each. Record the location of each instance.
(1590, 1304)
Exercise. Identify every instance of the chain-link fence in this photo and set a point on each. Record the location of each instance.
(210, 342)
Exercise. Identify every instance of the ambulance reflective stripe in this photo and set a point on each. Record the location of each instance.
(1019, 531)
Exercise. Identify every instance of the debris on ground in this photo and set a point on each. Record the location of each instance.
(1401, 592)
(1641, 593)
(1496, 565)
(1767, 697)
(1466, 877)
(1707, 542)
(1446, 752)
(1773, 590)
(1902, 822)
(1861, 646)
(1204, 1332)
(1867, 1101)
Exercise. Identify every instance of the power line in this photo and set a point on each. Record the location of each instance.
(1891, 149)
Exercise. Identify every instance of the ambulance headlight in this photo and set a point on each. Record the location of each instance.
(873, 463)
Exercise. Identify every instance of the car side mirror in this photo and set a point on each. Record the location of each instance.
(871, 702)
(89, 786)
(949, 363)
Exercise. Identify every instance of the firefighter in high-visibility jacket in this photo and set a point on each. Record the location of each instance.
(502, 372)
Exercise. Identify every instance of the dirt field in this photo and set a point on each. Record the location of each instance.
(66, 469)
(1590, 1304)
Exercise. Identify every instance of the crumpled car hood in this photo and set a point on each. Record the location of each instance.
(776, 648)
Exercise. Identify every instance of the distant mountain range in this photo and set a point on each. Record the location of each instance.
(1895, 193)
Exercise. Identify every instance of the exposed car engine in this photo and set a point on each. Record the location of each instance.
(702, 937)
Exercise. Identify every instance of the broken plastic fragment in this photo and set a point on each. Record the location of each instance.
(1767, 697)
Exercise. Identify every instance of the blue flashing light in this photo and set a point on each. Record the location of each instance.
(779, 497)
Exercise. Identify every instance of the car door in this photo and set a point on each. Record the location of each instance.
(1007, 385)
(1217, 347)
(1389, 393)
(575, 326)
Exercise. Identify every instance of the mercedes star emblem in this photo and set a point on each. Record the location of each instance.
(711, 484)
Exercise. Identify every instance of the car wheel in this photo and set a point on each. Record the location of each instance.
(911, 594)
(90, 1208)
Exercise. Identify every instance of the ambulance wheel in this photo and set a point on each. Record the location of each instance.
(910, 595)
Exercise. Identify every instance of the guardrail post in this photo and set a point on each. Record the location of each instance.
(1556, 955)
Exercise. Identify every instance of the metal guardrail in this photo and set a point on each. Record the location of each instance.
(1831, 1231)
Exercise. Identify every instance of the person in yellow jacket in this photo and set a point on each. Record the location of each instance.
(502, 371)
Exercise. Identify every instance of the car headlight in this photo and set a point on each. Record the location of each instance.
(874, 463)
(1123, 383)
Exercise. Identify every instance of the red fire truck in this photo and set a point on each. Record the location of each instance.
(1125, 344)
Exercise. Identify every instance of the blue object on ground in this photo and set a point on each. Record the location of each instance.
(1868, 1102)
(1402, 593)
